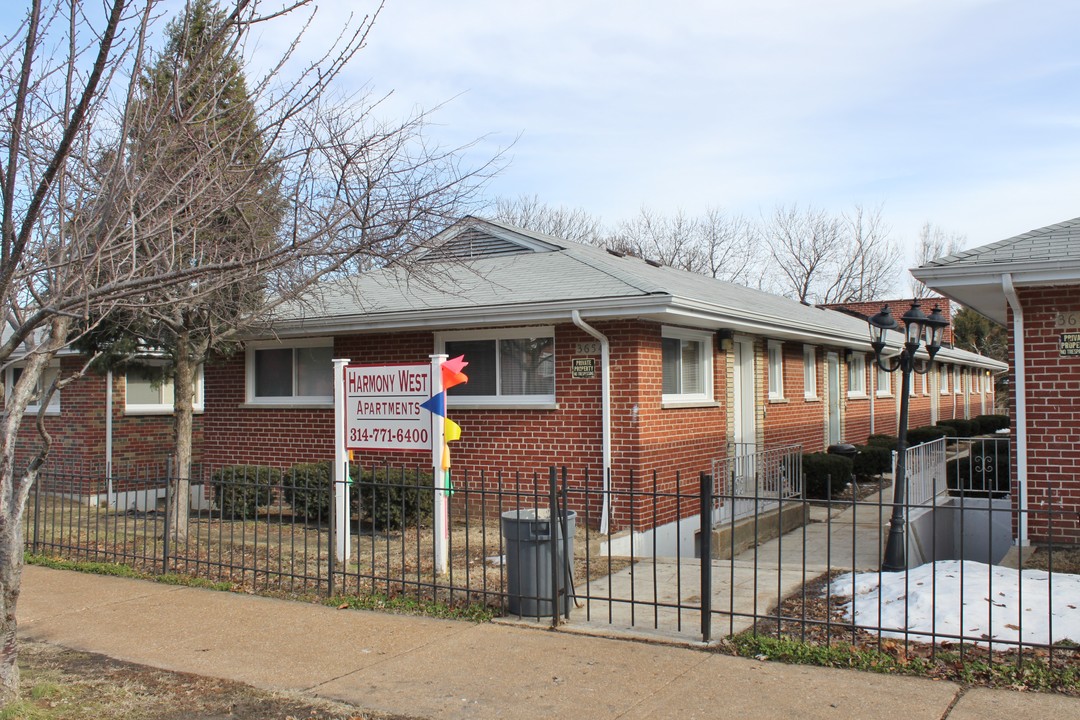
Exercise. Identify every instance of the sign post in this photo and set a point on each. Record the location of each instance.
(382, 408)
(438, 442)
(342, 546)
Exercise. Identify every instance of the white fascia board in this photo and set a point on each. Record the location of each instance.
(1042, 272)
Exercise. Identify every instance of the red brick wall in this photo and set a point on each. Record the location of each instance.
(794, 420)
(898, 308)
(1053, 413)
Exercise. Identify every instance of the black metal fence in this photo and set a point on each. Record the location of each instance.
(528, 545)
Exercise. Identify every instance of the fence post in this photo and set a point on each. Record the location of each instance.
(168, 516)
(331, 555)
(553, 520)
(705, 551)
(37, 509)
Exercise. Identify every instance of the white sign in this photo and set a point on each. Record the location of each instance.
(382, 407)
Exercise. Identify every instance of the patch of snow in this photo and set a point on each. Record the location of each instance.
(964, 599)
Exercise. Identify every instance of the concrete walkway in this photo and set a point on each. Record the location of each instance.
(749, 585)
(436, 669)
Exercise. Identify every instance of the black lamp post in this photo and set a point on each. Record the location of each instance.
(918, 328)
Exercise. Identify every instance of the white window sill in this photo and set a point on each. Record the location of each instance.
(503, 406)
(811, 398)
(676, 404)
(152, 410)
(886, 395)
(856, 396)
(779, 399)
(287, 406)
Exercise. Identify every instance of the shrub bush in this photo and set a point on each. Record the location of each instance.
(240, 489)
(920, 435)
(307, 489)
(959, 428)
(881, 440)
(825, 475)
(984, 470)
(992, 423)
(872, 461)
(392, 498)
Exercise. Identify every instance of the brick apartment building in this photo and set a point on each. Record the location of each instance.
(693, 366)
(1031, 284)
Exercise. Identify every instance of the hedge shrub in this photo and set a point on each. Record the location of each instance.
(239, 490)
(959, 428)
(872, 461)
(992, 423)
(882, 440)
(393, 498)
(920, 435)
(825, 475)
(308, 486)
(985, 469)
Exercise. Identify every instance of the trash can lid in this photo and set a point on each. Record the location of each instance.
(842, 449)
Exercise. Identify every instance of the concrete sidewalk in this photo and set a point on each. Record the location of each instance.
(430, 668)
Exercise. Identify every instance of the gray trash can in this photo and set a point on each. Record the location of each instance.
(528, 534)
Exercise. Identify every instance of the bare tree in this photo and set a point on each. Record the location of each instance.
(567, 223)
(934, 242)
(825, 258)
(89, 234)
(716, 244)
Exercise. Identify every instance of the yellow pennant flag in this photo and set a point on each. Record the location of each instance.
(451, 430)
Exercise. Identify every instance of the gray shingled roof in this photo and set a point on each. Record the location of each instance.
(1053, 243)
(546, 284)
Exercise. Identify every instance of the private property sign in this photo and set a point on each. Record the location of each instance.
(383, 407)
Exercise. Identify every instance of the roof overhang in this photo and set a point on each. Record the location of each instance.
(980, 286)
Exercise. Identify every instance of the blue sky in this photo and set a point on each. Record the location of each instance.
(962, 112)
(965, 113)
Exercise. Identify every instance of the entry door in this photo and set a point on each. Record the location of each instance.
(743, 405)
(833, 372)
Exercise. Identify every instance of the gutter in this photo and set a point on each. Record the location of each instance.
(1021, 406)
(605, 415)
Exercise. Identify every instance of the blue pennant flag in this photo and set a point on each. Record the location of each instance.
(437, 404)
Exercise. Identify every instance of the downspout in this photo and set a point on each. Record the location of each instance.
(873, 394)
(1021, 406)
(605, 411)
(109, 500)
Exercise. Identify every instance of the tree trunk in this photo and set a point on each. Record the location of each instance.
(183, 412)
(10, 579)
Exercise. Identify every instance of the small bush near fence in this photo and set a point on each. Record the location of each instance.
(984, 470)
(960, 428)
(825, 475)
(881, 440)
(992, 423)
(386, 498)
(872, 461)
(920, 435)
(240, 489)
(392, 498)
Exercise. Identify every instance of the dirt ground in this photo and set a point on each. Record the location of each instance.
(63, 684)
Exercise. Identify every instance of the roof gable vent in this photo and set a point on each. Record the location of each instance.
(474, 243)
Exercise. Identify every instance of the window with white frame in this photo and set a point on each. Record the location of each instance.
(295, 372)
(148, 389)
(956, 380)
(776, 370)
(943, 379)
(687, 365)
(856, 375)
(506, 366)
(809, 372)
(884, 381)
(48, 377)
(925, 383)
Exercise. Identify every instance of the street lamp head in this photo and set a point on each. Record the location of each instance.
(914, 322)
(935, 330)
(879, 323)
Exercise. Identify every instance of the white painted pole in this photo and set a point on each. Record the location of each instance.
(442, 518)
(342, 547)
